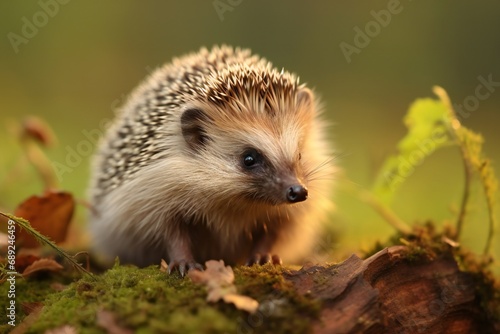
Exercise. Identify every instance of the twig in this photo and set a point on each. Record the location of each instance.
(453, 127)
(24, 224)
(378, 206)
(470, 145)
(465, 196)
(385, 212)
(38, 159)
(490, 187)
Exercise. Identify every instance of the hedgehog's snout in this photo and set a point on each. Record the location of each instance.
(296, 193)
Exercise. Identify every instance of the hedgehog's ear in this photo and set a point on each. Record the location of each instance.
(192, 125)
(305, 98)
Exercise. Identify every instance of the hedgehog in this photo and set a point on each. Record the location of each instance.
(216, 155)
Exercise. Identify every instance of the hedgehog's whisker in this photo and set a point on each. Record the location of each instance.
(313, 173)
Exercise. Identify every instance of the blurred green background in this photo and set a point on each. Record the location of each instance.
(71, 63)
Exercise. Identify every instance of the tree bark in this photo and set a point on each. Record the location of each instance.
(391, 293)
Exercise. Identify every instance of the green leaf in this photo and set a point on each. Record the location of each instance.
(433, 124)
(427, 121)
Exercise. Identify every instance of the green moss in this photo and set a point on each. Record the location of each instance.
(487, 286)
(148, 300)
(134, 295)
(423, 243)
(29, 290)
(282, 309)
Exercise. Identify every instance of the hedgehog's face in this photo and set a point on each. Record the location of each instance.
(258, 154)
(270, 183)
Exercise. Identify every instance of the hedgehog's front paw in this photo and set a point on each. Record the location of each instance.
(263, 258)
(183, 266)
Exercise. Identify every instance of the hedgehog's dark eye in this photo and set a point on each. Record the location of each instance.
(300, 156)
(251, 158)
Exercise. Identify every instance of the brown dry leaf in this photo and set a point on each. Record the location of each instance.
(107, 320)
(42, 265)
(66, 329)
(49, 214)
(218, 280)
(216, 273)
(23, 261)
(241, 302)
(163, 266)
(216, 293)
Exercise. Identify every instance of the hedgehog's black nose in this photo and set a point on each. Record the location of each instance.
(296, 193)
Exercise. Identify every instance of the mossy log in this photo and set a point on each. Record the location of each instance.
(401, 289)
(390, 292)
